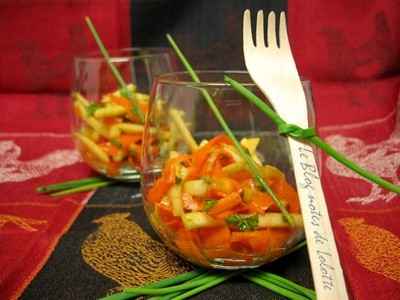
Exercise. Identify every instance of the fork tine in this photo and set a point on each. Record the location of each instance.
(260, 42)
(283, 35)
(247, 36)
(272, 42)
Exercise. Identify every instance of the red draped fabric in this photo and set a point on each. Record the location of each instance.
(39, 40)
(351, 52)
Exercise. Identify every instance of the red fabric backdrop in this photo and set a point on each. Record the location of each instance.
(39, 40)
(351, 52)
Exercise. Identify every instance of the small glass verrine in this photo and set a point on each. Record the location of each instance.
(198, 193)
(108, 126)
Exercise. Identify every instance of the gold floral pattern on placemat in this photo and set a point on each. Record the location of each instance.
(26, 224)
(120, 250)
(375, 248)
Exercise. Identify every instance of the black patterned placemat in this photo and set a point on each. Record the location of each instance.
(108, 247)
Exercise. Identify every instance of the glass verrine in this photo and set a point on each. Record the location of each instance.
(198, 193)
(107, 125)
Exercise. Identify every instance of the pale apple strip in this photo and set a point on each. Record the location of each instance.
(110, 110)
(175, 199)
(78, 97)
(120, 155)
(90, 133)
(80, 109)
(93, 148)
(181, 126)
(277, 220)
(97, 126)
(117, 129)
(142, 97)
(199, 219)
(197, 187)
(234, 167)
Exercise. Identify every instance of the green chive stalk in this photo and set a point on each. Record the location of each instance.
(196, 274)
(118, 77)
(221, 278)
(172, 289)
(316, 140)
(296, 247)
(285, 283)
(185, 277)
(118, 296)
(249, 161)
(175, 294)
(199, 280)
(274, 287)
(168, 296)
(80, 189)
(51, 188)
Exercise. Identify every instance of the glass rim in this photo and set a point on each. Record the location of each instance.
(96, 56)
(167, 79)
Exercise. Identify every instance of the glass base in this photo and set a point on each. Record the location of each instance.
(233, 264)
(126, 175)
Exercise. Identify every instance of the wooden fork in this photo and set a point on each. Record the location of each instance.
(273, 69)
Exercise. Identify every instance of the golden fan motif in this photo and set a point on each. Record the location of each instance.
(375, 248)
(123, 252)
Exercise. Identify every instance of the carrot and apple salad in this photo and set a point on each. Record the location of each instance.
(208, 204)
(109, 133)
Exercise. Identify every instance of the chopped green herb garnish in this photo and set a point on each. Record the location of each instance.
(116, 143)
(91, 108)
(134, 110)
(243, 223)
(208, 204)
(124, 92)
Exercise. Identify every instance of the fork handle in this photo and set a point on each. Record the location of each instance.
(325, 264)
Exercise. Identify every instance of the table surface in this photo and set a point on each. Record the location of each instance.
(66, 275)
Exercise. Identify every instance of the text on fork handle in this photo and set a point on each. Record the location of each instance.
(307, 182)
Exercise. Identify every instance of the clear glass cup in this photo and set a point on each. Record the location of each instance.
(106, 129)
(198, 194)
